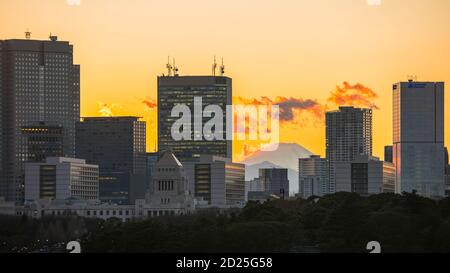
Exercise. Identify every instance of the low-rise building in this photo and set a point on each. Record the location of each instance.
(61, 178)
(275, 181)
(313, 176)
(366, 175)
(217, 180)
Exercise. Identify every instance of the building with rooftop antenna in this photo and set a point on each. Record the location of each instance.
(39, 84)
(418, 137)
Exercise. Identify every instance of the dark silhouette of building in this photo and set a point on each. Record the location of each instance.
(388, 154)
(38, 83)
(182, 90)
(118, 146)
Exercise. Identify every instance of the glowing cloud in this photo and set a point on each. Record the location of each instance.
(108, 110)
(356, 95)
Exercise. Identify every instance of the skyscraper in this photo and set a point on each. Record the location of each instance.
(39, 84)
(118, 146)
(182, 90)
(418, 137)
(348, 135)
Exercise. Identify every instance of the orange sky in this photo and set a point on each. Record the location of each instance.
(290, 48)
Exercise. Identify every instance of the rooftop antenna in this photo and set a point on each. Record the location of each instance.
(28, 34)
(412, 78)
(169, 67)
(214, 67)
(53, 38)
(175, 69)
(222, 69)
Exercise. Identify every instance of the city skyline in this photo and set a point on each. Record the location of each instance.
(121, 61)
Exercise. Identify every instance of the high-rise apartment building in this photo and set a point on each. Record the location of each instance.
(183, 90)
(348, 135)
(418, 137)
(39, 83)
(118, 146)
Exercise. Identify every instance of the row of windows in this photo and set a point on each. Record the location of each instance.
(165, 185)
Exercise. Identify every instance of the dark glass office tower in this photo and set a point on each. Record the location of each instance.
(39, 84)
(118, 146)
(182, 90)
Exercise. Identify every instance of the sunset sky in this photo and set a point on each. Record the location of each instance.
(297, 49)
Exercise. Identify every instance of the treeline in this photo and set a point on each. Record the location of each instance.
(342, 222)
(49, 234)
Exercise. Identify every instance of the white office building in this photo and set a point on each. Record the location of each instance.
(60, 178)
(418, 137)
(313, 176)
(217, 181)
(366, 175)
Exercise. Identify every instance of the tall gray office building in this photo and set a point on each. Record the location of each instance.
(213, 90)
(418, 137)
(39, 84)
(348, 135)
(275, 181)
(118, 146)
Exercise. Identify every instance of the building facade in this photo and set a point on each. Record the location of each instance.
(217, 181)
(313, 176)
(184, 90)
(365, 175)
(170, 187)
(61, 178)
(388, 154)
(43, 141)
(348, 135)
(118, 146)
(39, 83)
(418, 137)
(275, 181)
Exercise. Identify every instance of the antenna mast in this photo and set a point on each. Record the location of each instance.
(175, 69)
(222, 69)
(169, 67)
(214, 67)
(28, 34)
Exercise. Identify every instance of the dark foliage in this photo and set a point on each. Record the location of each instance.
(342, 222)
